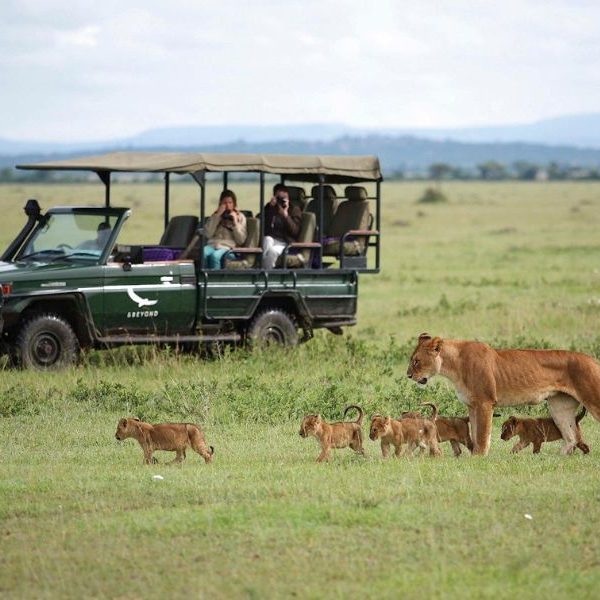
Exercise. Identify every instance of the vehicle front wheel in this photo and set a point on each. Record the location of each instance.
(47, 342)
(273, 326)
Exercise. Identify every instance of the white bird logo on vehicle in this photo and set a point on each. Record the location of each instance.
(141, 302)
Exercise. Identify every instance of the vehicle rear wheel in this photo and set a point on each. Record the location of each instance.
(47, 342)
(273, 326)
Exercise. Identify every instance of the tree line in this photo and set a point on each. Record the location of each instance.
(490, 170)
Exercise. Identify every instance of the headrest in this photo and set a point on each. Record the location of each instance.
(297, 195)
(328, 192)
(355, 193)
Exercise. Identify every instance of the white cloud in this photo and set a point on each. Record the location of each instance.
(82, 37)
(100, 70)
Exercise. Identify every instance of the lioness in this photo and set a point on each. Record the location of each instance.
(174, 437)
(485, 377)
(334, 435)
(538, 431)
(449, 429)
(414, 432)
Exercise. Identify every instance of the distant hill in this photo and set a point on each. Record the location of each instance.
(582, 131)
(571, 130)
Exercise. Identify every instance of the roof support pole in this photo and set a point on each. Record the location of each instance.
(202, 182)
(105, 179)
(377, 223)
(225, 180)
(200, 178)
(167, 198)
(262, 212)
(321, 232)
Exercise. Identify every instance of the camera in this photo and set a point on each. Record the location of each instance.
(227, 216)
(281, 200)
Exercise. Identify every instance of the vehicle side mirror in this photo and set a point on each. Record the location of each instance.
(127, 263)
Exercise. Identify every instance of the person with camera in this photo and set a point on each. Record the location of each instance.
(282, 225)
(225, 229)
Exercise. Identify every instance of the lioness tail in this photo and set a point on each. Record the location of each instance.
(361, 413)
(434, 410)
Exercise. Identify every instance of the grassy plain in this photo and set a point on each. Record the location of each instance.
(512, 264)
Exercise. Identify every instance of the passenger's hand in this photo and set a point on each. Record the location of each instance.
(282, 210)
(220, 210)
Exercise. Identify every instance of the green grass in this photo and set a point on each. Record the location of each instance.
(80, 516)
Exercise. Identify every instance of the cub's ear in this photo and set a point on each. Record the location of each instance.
(134, 418)
(319, 418)
(123, 422)
(388, 420)
(424, 337)
(436, 344)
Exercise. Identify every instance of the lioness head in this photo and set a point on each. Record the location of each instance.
(509, 428)
(311, 424)
(379, 426)
(425, 361)
(125, 428)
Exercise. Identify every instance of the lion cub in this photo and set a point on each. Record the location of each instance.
(414, 432)
(538, 431)
(174, 437)
(335, 435)
(449, 429)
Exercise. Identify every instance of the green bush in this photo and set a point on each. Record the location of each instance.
(432, 196)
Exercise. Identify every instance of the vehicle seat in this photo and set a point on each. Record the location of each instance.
(246, 257)
(300, 258)
(179, 231)
(297, 196)
(351, 214)
(193, 249)
(330, 204)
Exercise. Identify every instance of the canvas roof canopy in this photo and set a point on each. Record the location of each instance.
(334, 169)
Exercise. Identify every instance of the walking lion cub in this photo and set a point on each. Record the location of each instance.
(173, 437)
(335, 435)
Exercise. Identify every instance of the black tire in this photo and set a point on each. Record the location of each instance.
(47, 342)
(273, 326)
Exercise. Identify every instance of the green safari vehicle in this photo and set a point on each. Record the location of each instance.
(67, 282)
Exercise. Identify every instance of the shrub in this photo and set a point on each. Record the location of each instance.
(432, 196)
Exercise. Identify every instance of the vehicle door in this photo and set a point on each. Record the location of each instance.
(157, 298)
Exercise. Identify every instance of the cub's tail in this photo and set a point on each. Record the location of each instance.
(434, 410)
(581, 414)
(361, 413)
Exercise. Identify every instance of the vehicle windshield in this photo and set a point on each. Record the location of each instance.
(70, 236)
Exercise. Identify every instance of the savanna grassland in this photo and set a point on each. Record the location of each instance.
(513, 264)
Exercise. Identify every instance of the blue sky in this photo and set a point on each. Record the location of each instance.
(97, 70)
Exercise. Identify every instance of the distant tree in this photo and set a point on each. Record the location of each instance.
(396, 174)
(525, 170)
(439, 171)
(492, 170)
(7, 174)
(556, 171)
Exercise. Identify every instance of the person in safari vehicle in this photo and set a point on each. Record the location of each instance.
(282, 225)
(102, 235)
(226, 229)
